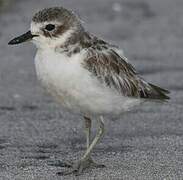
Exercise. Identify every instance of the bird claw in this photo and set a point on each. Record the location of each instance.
(80, 166)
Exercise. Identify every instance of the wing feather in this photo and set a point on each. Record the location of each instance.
(114, 71)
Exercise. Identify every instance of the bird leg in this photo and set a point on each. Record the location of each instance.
(95, 140)
(87, 130)
(86, 160)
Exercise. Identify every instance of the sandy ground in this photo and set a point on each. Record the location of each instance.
(146, 143)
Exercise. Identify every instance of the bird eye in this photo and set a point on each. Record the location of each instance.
(50, 27)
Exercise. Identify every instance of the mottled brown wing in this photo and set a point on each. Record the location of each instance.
(114, 70)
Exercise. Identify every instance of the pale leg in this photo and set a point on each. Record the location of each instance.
(87, 130)
(95, 140)
(86, 160)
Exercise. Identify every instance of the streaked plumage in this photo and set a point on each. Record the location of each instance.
(116, 72)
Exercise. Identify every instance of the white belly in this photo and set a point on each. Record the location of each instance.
(75, 88)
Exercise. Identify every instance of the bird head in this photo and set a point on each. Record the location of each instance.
(52, 27)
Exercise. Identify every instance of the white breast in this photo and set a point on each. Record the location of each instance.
(75, 88)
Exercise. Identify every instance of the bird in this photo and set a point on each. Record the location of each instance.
(85, 74)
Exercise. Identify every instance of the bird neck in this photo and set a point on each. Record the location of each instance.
(77, 42)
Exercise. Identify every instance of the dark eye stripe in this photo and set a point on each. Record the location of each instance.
(50, 27)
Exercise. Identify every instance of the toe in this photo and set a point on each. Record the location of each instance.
(96, 165)
(65, 173)
(99, 165)
(58, 163)
(80, 166)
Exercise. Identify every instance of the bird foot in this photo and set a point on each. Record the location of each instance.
(78, 167)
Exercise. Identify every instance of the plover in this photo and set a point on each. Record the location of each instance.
(84, 73)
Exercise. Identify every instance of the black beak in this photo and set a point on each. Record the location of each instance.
(23, 38)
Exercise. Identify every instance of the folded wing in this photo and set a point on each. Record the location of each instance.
(114, 71)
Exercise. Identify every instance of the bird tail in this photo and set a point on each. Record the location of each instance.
(158, 93)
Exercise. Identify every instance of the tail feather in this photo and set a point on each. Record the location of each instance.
(159, 88)
(157, 93)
